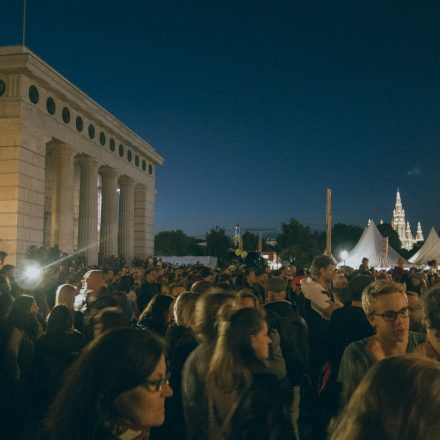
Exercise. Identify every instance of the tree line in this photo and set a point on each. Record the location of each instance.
(295, 242)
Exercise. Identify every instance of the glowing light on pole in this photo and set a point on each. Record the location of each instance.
(344, 255)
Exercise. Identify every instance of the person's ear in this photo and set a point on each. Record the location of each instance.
(372, 321)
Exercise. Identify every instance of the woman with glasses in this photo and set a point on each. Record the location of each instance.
(116, 389)
(245, 399)
(385, 305)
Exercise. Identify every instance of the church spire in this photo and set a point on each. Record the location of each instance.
(419, 233)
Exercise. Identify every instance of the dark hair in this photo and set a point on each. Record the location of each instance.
(431, 307)
(116, 362)
(107, 319)
(126, 283)
(59, 320)
(19, 312)
(357, 285)
(158, 308)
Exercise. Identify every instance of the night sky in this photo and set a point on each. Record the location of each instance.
(259, 106)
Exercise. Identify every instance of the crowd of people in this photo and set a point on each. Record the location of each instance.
(163, 352)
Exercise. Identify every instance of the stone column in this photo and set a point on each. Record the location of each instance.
(143, 221)
(126, 218)
(108, 239)
(88, 209)
(61, 222)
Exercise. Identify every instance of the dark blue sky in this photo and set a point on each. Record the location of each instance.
(258, 106)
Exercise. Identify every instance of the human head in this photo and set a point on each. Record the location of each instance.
(365, 261)
(322, 269)
(246, 298)
(242, 343)
(398, 398)
(416, 307)
(94, 281)
(106, 392)
(357, 285)
(151, 275)
(201, 286)
(250, 276)
(159, 309)
(400, 262)
(59, 320)
(177, 288)
(23, 315)
(205, 318)
(275, 289)
(108, 274)
(184, 308)
(206, 274)
(107, 319)
(65, 295)
(385, 297)
(431, 316)
(261, 275)
(138, 273)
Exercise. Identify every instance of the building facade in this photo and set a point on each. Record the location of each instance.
(403, 228)
(71, 174)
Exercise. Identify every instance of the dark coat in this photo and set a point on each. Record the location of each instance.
(282, 317)
(260, 412)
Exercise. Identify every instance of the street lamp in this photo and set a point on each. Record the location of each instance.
(344, 255)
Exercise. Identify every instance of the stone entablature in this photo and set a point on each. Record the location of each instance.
(41, 112)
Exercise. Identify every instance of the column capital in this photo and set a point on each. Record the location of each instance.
(126, 182)
(106, 171)
(88, 162)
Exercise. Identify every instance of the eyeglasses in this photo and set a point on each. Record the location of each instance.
(157, 385)
(392, 316)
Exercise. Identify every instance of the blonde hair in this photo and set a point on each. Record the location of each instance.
(184, 307)
(65, 295)
(376, 289)
(398, 398)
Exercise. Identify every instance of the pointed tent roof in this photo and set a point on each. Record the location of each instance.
(422, 255)
(372, 246)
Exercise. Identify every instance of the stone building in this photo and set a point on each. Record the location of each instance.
(403, 228)
(70, 173)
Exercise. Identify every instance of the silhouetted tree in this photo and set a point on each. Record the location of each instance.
(387, 230)
(218, 243)
(250, 241)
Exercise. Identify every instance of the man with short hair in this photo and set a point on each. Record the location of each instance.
(385, 304)
(363, 268)
(282, 317)
(318, 288)
(258, 286)
(416, 315)
(148, 288)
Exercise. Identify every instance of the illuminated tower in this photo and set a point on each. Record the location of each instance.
(398, 222)
(419, 233)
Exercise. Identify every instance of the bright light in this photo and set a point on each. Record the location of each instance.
(32, 273)
(344, 255)
(29, 274)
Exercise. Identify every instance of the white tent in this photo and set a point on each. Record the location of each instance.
(427, 250)
(372, 245)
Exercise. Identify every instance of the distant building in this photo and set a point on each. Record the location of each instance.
(403, 227)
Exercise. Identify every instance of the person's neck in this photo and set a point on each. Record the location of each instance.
(356, 304)
(324, 283)
(391, 348)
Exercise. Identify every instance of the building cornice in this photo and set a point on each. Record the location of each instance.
(21, 60)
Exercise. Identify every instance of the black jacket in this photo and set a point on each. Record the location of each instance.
(293, 335)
